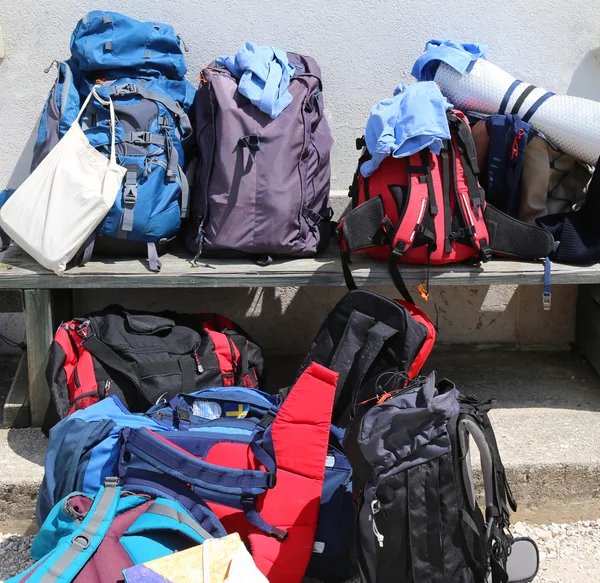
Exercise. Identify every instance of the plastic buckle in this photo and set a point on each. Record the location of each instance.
(547, 301)
(397, 253)
(248, 501)
(141, 138)
(271, 480)
(183, 414)
(82, 329)
(279, 533)
(130, 193)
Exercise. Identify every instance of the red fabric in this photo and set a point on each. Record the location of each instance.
(216, 322)
(425, 350)
(474, 218)
(78, 367)
(223, 352)
(300, 435)
(393, 171)
(417, 204)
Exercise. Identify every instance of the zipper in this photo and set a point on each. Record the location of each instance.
(66, 87)
(199, 367)
(419, 220)
(375, 509)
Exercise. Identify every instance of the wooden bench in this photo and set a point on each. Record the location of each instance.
(47, 298)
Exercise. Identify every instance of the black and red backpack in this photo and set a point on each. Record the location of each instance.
(430, 209)
(144, 357)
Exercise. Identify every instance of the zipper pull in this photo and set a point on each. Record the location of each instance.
(106, 388)
(199, 367)
(375, 508)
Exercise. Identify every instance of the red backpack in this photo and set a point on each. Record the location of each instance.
(143, 357)
(430, 209)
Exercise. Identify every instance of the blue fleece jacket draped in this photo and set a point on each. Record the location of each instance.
(264, 75)
(458, 56)
(414, 119)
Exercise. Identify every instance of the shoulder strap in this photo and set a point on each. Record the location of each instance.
(172, 105)
(471, 203)
(75, 552)
(209, 479)
(418, 197)
(177, 516)
(513, 238)
(474, 421)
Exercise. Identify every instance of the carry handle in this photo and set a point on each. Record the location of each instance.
(113, 159)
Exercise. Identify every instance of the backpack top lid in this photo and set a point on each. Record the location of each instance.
(118, 46)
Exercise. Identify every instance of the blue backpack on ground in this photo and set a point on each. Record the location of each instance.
(89, 539)
(141, 67)
(87, 443)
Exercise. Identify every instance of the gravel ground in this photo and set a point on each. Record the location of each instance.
(569, 553)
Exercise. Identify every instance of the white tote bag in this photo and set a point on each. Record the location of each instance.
(66, 197)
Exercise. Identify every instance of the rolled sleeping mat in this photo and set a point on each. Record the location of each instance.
(571, 123)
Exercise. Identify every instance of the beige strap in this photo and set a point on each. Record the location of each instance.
(113, 159)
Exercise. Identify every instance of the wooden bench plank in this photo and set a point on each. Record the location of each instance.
(39, 327)
(19, 271)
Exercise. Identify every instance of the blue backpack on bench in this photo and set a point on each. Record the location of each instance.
(141, 67)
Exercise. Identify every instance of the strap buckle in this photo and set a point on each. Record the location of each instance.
(248, 501)
(123, 90)
(81, 541)
(183, 414)
(130, 186)
(130, 194)
(547, 300)
(271, 480)
(398, 250)
(83, 329)
(139, 138)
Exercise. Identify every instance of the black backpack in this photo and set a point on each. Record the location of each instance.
(419, 521)
(364, 335)
(145, 357)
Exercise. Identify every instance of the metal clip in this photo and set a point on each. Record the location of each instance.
(547, 301)
(375, 508)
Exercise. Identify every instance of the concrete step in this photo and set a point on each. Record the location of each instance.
(547, 422)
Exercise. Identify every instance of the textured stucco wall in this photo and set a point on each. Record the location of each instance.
(364, 47)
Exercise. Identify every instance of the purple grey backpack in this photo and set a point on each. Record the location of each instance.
(261, 184)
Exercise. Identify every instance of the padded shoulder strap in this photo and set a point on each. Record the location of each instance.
(361, 227)
(178, 517)
(418, 197)
(212, 480)
(470, 199)
(172, 105)
(510, 237)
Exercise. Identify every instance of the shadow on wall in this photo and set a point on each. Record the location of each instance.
(23, 165)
